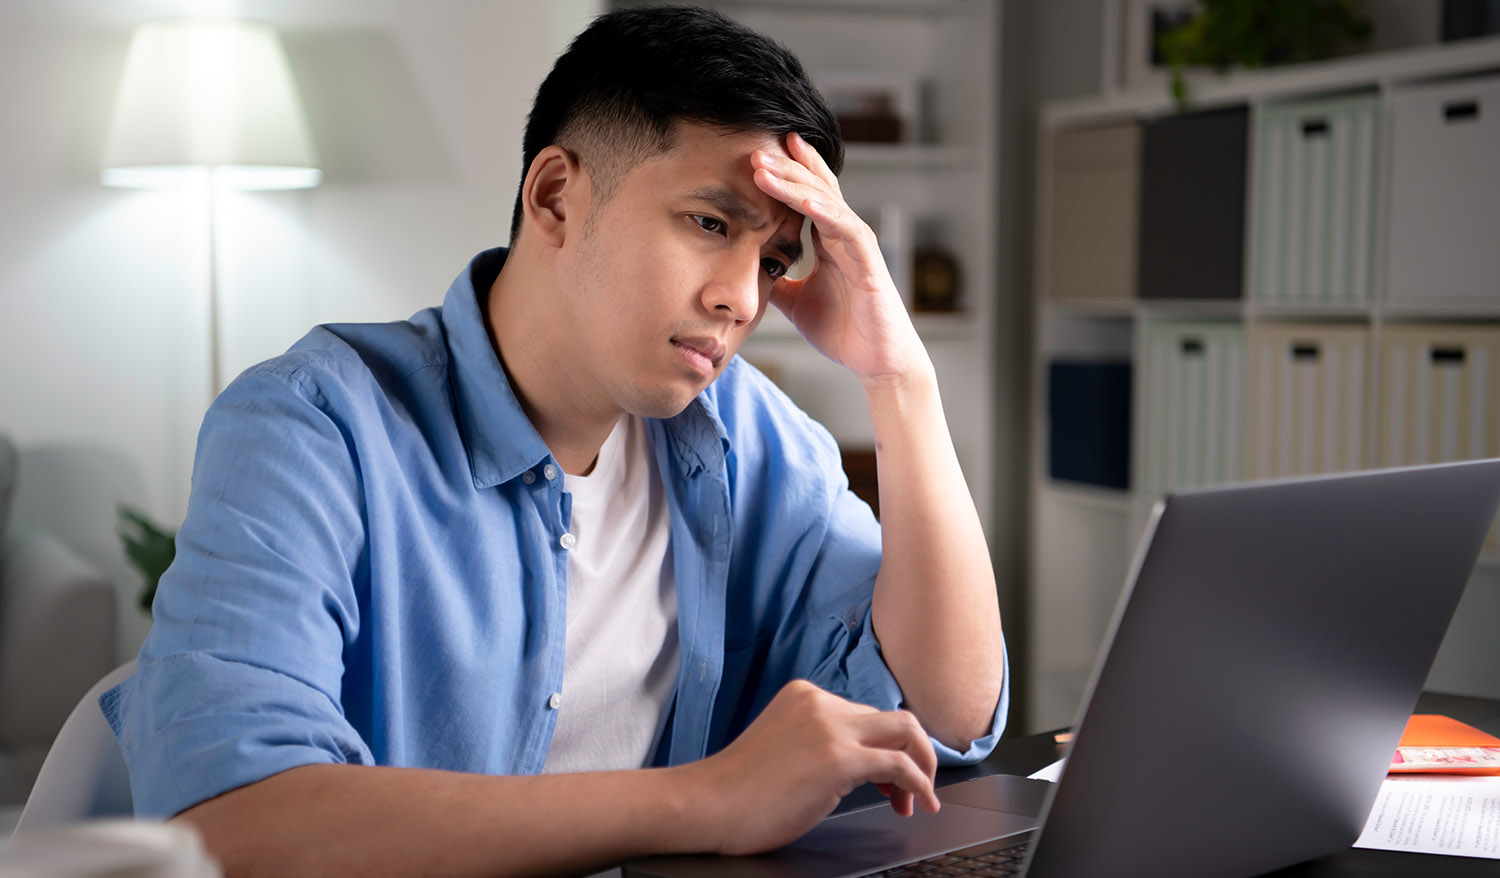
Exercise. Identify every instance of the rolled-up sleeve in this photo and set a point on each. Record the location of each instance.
(240, 677)
(852, 665)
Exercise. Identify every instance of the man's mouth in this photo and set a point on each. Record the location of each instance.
(703, 351)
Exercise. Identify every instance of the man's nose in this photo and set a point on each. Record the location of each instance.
(735, 291)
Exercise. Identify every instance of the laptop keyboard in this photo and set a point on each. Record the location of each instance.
(1004, 858)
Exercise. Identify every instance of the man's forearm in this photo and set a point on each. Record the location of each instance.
(936, 611)
(769, 786)
(360, 820)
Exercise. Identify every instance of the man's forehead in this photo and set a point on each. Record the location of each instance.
(703, 145)
(712, 165)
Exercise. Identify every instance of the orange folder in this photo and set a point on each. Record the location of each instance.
(1429, 736)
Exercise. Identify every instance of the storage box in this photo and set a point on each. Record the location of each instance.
(1095, 210)
(1088, 407)
(1445, 193)
(1315, 202)
(1440, 396)
(1308, 389)
(1193, 206)
(1193, 400)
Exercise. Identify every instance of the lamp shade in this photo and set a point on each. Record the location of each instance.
(208, 94)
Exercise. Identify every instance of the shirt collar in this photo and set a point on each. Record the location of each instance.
(697, 437)
(501, 441)
(499, 437)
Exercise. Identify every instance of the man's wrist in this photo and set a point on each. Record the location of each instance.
(901, 389)
(692, 811)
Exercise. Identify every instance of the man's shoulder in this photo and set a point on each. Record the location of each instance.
(342, 359)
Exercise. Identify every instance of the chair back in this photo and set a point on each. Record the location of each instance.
(84, 775)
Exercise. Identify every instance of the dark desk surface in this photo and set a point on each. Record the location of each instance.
(1023, 756)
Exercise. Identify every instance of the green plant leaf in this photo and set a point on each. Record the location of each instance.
(1251, 34)
(149, 548)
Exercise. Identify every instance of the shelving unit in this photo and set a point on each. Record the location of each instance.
(943, 181)
(1084, 537)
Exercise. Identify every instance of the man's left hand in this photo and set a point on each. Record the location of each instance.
(848, 307)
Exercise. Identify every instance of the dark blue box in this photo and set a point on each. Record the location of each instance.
(1088, 407)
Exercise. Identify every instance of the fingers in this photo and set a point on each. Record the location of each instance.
(794, 170)
(902, 761)
(806, 196)
(899, 730)
(811, 191)
(887, 748)
(901, 801)
(909, 784)
(836, 227)
(804, 153)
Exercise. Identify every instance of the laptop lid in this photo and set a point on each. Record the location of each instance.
(1265, 654)
(1263, 661)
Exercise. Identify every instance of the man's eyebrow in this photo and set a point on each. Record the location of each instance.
(723, 199)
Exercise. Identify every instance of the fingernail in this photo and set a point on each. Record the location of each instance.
(767, 158)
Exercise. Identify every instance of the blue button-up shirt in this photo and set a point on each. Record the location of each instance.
(367, 575)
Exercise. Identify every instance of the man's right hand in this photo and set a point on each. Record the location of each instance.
(806, 751)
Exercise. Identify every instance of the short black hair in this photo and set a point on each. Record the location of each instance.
(613, 97)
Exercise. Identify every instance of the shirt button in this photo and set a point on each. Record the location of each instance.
(555, 701)
(528, 477)
(568, 541)
(550, 472)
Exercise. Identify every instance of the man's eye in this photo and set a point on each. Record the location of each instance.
(773, 267)
(711, 225)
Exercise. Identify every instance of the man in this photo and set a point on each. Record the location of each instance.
(548, 579)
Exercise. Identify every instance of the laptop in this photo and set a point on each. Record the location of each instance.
(1265, 654)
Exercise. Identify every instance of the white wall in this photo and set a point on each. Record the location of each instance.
(417, 109)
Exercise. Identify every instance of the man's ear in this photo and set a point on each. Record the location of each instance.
(554, 175)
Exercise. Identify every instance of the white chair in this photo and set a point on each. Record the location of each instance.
(84, 775)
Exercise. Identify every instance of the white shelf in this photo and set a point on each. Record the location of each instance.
(1272, 312)
(1093, 497)
(1192, 308)
(879, 7)
(933, 326)
(1437, 310)
(1359, 71)
(907, 157)
(1252, 311)
(1100, 307)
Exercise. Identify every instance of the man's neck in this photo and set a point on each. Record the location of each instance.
(572, 419)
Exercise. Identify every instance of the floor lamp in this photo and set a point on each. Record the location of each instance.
(211, 104)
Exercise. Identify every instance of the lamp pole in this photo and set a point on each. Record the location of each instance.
(215, 378)
(210, 100)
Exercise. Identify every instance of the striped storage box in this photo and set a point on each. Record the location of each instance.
(1192, 396)
(1315, 163)
(1439, 395)
(1445, 192)
(1308, 388)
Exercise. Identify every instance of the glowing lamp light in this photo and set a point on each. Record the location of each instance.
(208, 98)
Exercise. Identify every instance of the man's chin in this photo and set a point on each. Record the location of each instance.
(666, 403)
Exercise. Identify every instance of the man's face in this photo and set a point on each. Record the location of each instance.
(672, 273)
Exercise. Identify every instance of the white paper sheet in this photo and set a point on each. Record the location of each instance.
(1051, 772)
(1457, 815)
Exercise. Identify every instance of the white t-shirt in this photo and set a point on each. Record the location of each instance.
(620, 664)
